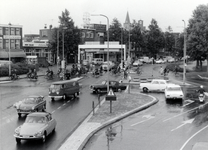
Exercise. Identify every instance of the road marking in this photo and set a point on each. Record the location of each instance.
(59, 107)
(180, 114)
(148, 117)
(189, 102)
(53, 111)
(184, 123)
(192, 137)
(64, 104)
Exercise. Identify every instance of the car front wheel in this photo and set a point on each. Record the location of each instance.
(44, 137)
(145, 90)
(18, 140)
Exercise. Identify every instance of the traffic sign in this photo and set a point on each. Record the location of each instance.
(111, 96)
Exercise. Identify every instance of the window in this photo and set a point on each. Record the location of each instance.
(12, 44)
(6, 31)
(155, 82)
(12, 31)
(17, 44)
(1, 31)
(17, 31)
(7, 44)
(1, 44)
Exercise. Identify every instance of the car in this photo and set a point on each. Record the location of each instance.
(30, 104)
(114, 85)
(105, 65)
(137, 63)
(97, 61)
(171, 60)
(173, 91)
(37, 126)
(159, 61)
(154, 85)
(85, 62)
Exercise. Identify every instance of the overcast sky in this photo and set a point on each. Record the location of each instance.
(34, 14)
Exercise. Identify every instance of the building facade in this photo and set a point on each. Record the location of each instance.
(11, 43)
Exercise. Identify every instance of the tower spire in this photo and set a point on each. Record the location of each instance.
(127, 22)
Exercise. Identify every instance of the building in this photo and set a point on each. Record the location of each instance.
(37, 44)
(11, 43)
(93, 45)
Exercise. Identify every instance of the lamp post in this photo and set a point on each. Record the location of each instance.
(57, 49)
(184, 54)
(9, 50)
(107, 46)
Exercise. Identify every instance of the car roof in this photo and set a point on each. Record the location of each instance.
(38, 114)
(66, 81)
(34, 96)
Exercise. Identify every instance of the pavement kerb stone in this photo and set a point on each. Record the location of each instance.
(116, 119)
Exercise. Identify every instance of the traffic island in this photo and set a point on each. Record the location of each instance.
(124, 106)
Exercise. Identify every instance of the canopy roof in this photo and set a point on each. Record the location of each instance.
(4, 53)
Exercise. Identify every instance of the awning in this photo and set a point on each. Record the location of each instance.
(4, 53)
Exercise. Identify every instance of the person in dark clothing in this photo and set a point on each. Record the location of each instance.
(201, 90)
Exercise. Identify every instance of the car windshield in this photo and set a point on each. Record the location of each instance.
(35, 119)
(55, 86)
(103, 82)
(174, 89)
(30, 100)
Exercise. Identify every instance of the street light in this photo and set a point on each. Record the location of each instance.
(184, 54)
(107, 46)
(9, 50)
(57, 49)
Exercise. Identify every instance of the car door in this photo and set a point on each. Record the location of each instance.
(154, 86)
(162, 85)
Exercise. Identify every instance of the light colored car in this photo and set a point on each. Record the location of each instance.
(105, 65)
(154, 85)
(97, 61)
(30, 104)
(85, 62)
(171, 60)
(137, 63)
(37, 126)
(159, 61)
(173, 91)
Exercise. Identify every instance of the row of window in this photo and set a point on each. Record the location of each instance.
(14, 31)
(13, 44)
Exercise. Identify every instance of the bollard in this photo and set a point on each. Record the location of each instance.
(99, 99)
(93, 107)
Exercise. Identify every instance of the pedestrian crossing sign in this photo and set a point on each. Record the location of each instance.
(111, 96)
(111, 93)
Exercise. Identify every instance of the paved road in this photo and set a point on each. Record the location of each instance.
(166, 125)
(67, 113)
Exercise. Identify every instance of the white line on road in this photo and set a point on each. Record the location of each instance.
(184, 123)
(53, 111)
(192, 137)
(59, 107)
(180, 114)
(140, 122)
(190, 102)
(64, 104)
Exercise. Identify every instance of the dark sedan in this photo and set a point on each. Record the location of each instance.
(114, 85)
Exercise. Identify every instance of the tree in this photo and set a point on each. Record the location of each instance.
(115, 30)
(198, 35)
(169, 41)
(71, 37)
(154, 38)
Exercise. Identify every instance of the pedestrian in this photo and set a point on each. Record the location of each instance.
(176, 70)
(165, 71)
(161, 70)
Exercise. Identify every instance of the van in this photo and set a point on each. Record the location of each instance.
(63, 89)
(98, 61)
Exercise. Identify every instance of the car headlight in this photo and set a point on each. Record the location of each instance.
(57, 92)
(17, 130)
(38, 134)
(33, 107)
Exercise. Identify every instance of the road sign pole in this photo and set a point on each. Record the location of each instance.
(110, 106)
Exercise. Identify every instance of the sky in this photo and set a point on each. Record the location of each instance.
(34, 14)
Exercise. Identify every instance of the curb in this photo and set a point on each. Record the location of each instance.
(116, 119)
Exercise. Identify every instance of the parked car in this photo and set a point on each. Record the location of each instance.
(145, 59)
(85, 62)
(105, 65)
(37, 126)
(97, 61)
(30, 104)
(154, 85)
(114, 85)
(137, 63)
(173, 91)
(62, 89)
(171, 60)
(159, 61)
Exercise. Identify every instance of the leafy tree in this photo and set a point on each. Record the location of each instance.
(154, 38)
(198, 34)
(71, 37)
(169, 41)
(115, 30)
